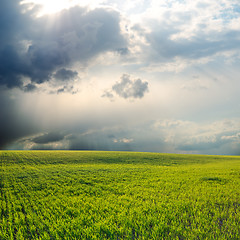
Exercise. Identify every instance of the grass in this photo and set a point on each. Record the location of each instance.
(118, 195)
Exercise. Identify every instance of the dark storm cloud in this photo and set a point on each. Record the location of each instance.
(13, 125)
(11, 67)
(128, 88)
(14, 28)
(37, 47)
(65, 74)
(11, 22)
(98, 141)
(44, 147)
(29, 87)
(48, 138)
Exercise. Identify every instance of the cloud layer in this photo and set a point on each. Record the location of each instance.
(41, 48)
(169, 68)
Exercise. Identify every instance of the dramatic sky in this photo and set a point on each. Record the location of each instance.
(134, 75)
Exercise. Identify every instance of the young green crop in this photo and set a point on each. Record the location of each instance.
(118, 195)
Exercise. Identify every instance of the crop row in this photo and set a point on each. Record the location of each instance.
(96, 200)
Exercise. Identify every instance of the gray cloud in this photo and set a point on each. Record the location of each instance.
(127, 88)
(48, 138)
(65, 74)
(188, 32)
(29, 87)
(220, 146)
(216, 138)
(100, 140)
(168, 136)
(166, 48)
(65, 89)
(108, 94)
(203, 146)
(44, 147)
(37, 47)
(11, 67)
(123, 51)
(13, 124)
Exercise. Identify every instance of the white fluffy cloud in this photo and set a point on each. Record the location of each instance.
(174, 35)
(128, 88)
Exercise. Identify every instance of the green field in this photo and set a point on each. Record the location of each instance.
(118, 195)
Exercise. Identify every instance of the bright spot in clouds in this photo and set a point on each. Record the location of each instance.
(51, 6)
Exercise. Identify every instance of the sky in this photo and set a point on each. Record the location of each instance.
(139, 75)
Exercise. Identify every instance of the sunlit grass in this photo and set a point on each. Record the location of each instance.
(118, 195)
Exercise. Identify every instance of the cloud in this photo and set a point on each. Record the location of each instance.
(43, 147)
(13, 124)
(166, 135)
(218, 137)
(183, 31)
(123, 140)
(235, 137)
(65, 89)
(123, 51)
(95, 139)
(108, 94)
(29, 87)
(48, 138)
(65, 74)
(42, 141)
(11, 67)
(100, 140)
(45, 47)
(198, 147)
(201, 47)
(128, 88)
